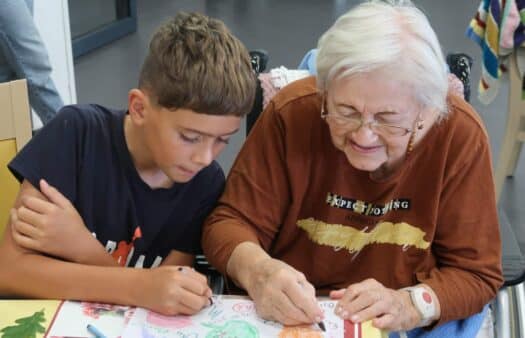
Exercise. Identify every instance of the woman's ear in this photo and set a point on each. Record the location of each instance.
(137, 101)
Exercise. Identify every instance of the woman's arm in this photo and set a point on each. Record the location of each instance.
(466, 243)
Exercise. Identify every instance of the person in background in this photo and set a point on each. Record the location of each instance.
(23, 55)
(107, 189)
(366, 184)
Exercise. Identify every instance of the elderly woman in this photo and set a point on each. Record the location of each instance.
(369, 183)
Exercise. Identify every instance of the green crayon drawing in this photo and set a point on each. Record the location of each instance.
(233, 329)
(27, 327)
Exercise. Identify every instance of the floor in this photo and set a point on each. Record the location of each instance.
(287, 29)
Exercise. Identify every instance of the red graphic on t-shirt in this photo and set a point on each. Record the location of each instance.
(123, 248)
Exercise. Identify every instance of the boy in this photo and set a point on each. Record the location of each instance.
(102, 189)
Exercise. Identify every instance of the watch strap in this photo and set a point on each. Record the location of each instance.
(424, 303)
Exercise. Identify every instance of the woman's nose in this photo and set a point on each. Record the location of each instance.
(364, 135)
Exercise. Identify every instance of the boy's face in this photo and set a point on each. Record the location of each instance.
(182, 142)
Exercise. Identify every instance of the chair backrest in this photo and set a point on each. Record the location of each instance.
(15, 132)
(259, 59)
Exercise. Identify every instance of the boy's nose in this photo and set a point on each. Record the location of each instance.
(203, 156)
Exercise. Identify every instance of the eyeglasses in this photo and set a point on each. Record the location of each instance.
(355, 123)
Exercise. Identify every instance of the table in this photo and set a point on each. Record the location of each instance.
(33, 318)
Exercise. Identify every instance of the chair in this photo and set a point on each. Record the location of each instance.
(514, 131)
(259, 62)
(460, 65)
(215, 279)
(509, 305)
(15, 132)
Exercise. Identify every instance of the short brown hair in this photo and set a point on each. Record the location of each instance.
(194, 62)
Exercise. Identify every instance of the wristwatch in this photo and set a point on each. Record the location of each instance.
(424, 303)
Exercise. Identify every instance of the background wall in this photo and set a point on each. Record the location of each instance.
(52, 19)
(287, 29)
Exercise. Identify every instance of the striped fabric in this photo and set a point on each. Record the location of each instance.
(363, 330)
(498, 28)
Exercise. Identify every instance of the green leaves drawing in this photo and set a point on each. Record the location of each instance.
(27, 327)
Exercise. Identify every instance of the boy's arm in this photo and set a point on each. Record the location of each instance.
(30, 274)
(46, 222)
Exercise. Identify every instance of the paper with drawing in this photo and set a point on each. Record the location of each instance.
(227, 317)
(72, 319)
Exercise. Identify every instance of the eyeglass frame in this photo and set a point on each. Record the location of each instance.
(325, 114)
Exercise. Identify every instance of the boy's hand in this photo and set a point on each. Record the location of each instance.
(52, 227)
(173, 290)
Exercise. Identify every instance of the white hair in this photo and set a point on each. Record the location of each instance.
(391, 35)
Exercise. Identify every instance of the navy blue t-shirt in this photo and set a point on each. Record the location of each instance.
(83, 153)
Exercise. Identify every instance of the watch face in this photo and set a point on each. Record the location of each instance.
(427, 297)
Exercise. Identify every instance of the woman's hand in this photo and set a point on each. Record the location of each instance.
(282, 293)
(173, 290)
(53, 227)
(389, 309)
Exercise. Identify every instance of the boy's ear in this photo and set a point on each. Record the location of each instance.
(137, 101)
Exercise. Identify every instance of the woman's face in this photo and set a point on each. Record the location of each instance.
(370, 105)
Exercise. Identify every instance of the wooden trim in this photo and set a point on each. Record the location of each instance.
(21, 113)
(6, 116)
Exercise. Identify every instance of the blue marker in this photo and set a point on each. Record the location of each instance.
(94, 331)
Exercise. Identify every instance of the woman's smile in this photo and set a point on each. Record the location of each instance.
(362, 149)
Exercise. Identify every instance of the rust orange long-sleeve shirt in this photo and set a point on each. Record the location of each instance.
(434, 221)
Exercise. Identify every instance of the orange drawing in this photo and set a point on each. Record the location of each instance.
(300, 331)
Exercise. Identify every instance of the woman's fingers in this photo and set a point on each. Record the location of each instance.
(302, 296)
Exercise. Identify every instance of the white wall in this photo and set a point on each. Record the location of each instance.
(52, 19)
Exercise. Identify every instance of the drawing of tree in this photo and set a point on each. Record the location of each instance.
(28, 327)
